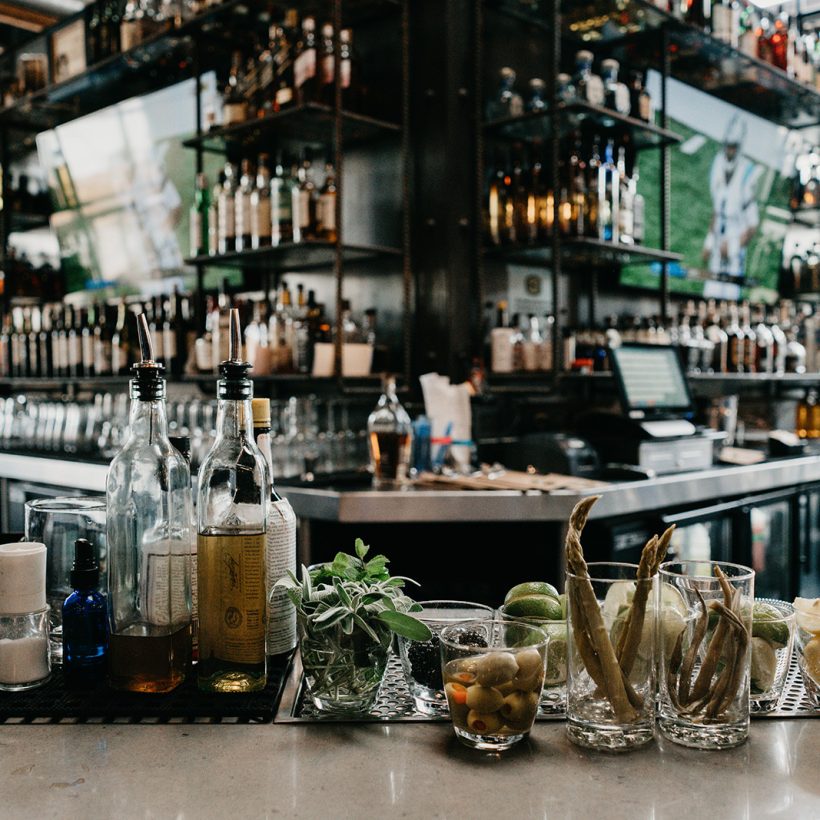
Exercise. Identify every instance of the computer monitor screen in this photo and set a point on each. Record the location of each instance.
(650, 379)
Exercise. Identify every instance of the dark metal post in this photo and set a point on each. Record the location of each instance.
(665, 175)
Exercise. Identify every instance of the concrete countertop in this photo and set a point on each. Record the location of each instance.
(404, 770)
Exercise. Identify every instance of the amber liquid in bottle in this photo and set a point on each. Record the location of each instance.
(143, 662)
(390, 455)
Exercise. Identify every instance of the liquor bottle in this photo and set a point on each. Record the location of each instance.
(589, 86)
(119, 341)
(305, 68)
(280, 545)
(166, 327)
(495, 203)
(501, 342)
(608, 196)
(59, 344)
(626, 203)
(578, 189)
(719, 338)
(780, 341)
(227, 210)
(327, 66)
(231, 525)
(285, 48)
(389, 434)
(638, 209)
(593, 204)
(242, 206)
(234, 104)
(520, 196)
(213, 215)
(75, 355)
(537, 96)
(737, 342)
(726, 21)
(616, 94)
(640, 102)
(260, 206)
(326, 207)
(44, 344)
(348, 78)
(31, 325)
(87, 339)
(765, 344)
(281, 205)
(149, 532)
(200, 216)
(749, 340)
(507, 102)
(102, 342)
(220, 326)
(304, 202)
(697, 12)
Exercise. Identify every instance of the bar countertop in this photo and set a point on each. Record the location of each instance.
(403, 770)
(416, 505)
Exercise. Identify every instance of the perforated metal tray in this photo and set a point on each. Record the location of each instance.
(395, 704)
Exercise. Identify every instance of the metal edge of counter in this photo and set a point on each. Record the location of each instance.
(411, 505)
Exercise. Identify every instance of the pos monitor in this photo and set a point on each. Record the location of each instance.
(651, 382)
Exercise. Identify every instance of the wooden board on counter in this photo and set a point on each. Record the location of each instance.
(508, 480)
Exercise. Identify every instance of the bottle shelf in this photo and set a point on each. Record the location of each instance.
(789, 379)
(295, 256)
(630, 29)
(306, 124)
(583, 251)
(22, 221)
(536, 125)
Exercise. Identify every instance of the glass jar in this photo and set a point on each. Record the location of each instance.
(24, 657)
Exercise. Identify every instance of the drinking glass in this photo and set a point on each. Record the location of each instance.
(421, 660)
(493, 672)
(554, 694)
(704, 654)
(611, 694)
(772, 636)
(807, 640)
(58, 523)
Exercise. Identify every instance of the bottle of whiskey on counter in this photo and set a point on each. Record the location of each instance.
(149, 532)
(389, 434)
(232, 514)
(280, 546)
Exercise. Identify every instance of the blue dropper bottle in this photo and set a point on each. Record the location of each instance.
(85, 623)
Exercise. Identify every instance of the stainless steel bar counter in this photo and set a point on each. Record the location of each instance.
(366, 771)
(429, 506)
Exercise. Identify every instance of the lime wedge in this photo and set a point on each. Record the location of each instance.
(808, 614)
(764, 665)
(768, 623)
(618, 596)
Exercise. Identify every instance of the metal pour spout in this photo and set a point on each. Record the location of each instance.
(235, 349)
(144, 336)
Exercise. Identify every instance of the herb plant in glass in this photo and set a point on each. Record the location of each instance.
(347, 611)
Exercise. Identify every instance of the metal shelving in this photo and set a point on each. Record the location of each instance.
(535, 125)
(579, 252)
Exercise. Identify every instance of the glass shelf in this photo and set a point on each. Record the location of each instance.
(295, 256)
(577, 252)
(310, 123)
(536, 125)
(22, 221)
(788, 379)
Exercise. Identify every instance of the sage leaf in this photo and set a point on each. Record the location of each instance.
(361, 548)
(405, 625)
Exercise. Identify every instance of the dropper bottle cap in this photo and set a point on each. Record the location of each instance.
(148, 383)
(235, 384)
(85, 573)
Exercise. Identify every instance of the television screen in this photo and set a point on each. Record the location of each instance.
(123, 184)
(729, 215)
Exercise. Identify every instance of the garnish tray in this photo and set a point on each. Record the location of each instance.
(395, 704)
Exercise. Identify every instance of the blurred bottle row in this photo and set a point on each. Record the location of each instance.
(251, 209)
(710, 338)
(282, 335)
(308, 435)
(597, 196)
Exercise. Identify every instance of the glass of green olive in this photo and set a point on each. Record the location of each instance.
(493, 673)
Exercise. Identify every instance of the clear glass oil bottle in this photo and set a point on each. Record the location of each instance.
(149, 528)
(232, 510)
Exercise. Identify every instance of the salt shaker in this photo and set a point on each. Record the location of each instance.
(24, 656)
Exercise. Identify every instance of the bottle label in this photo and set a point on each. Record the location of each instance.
(196, 233)
(169, 343)
(304, 209)
(280, 558)
(243, 215)
(327, 212)
(593, 90)
(164, 584)
(227, 219)
(502, 350)
(261, 218)
(344, 73)
(284, 95)
(74, 352)
(231, 597)
(304, 68)
(234, 112)
(102, 356)
(327, 72)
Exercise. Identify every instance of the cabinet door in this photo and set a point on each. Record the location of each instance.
(702, 535)
(769, 547)
(809, 569)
